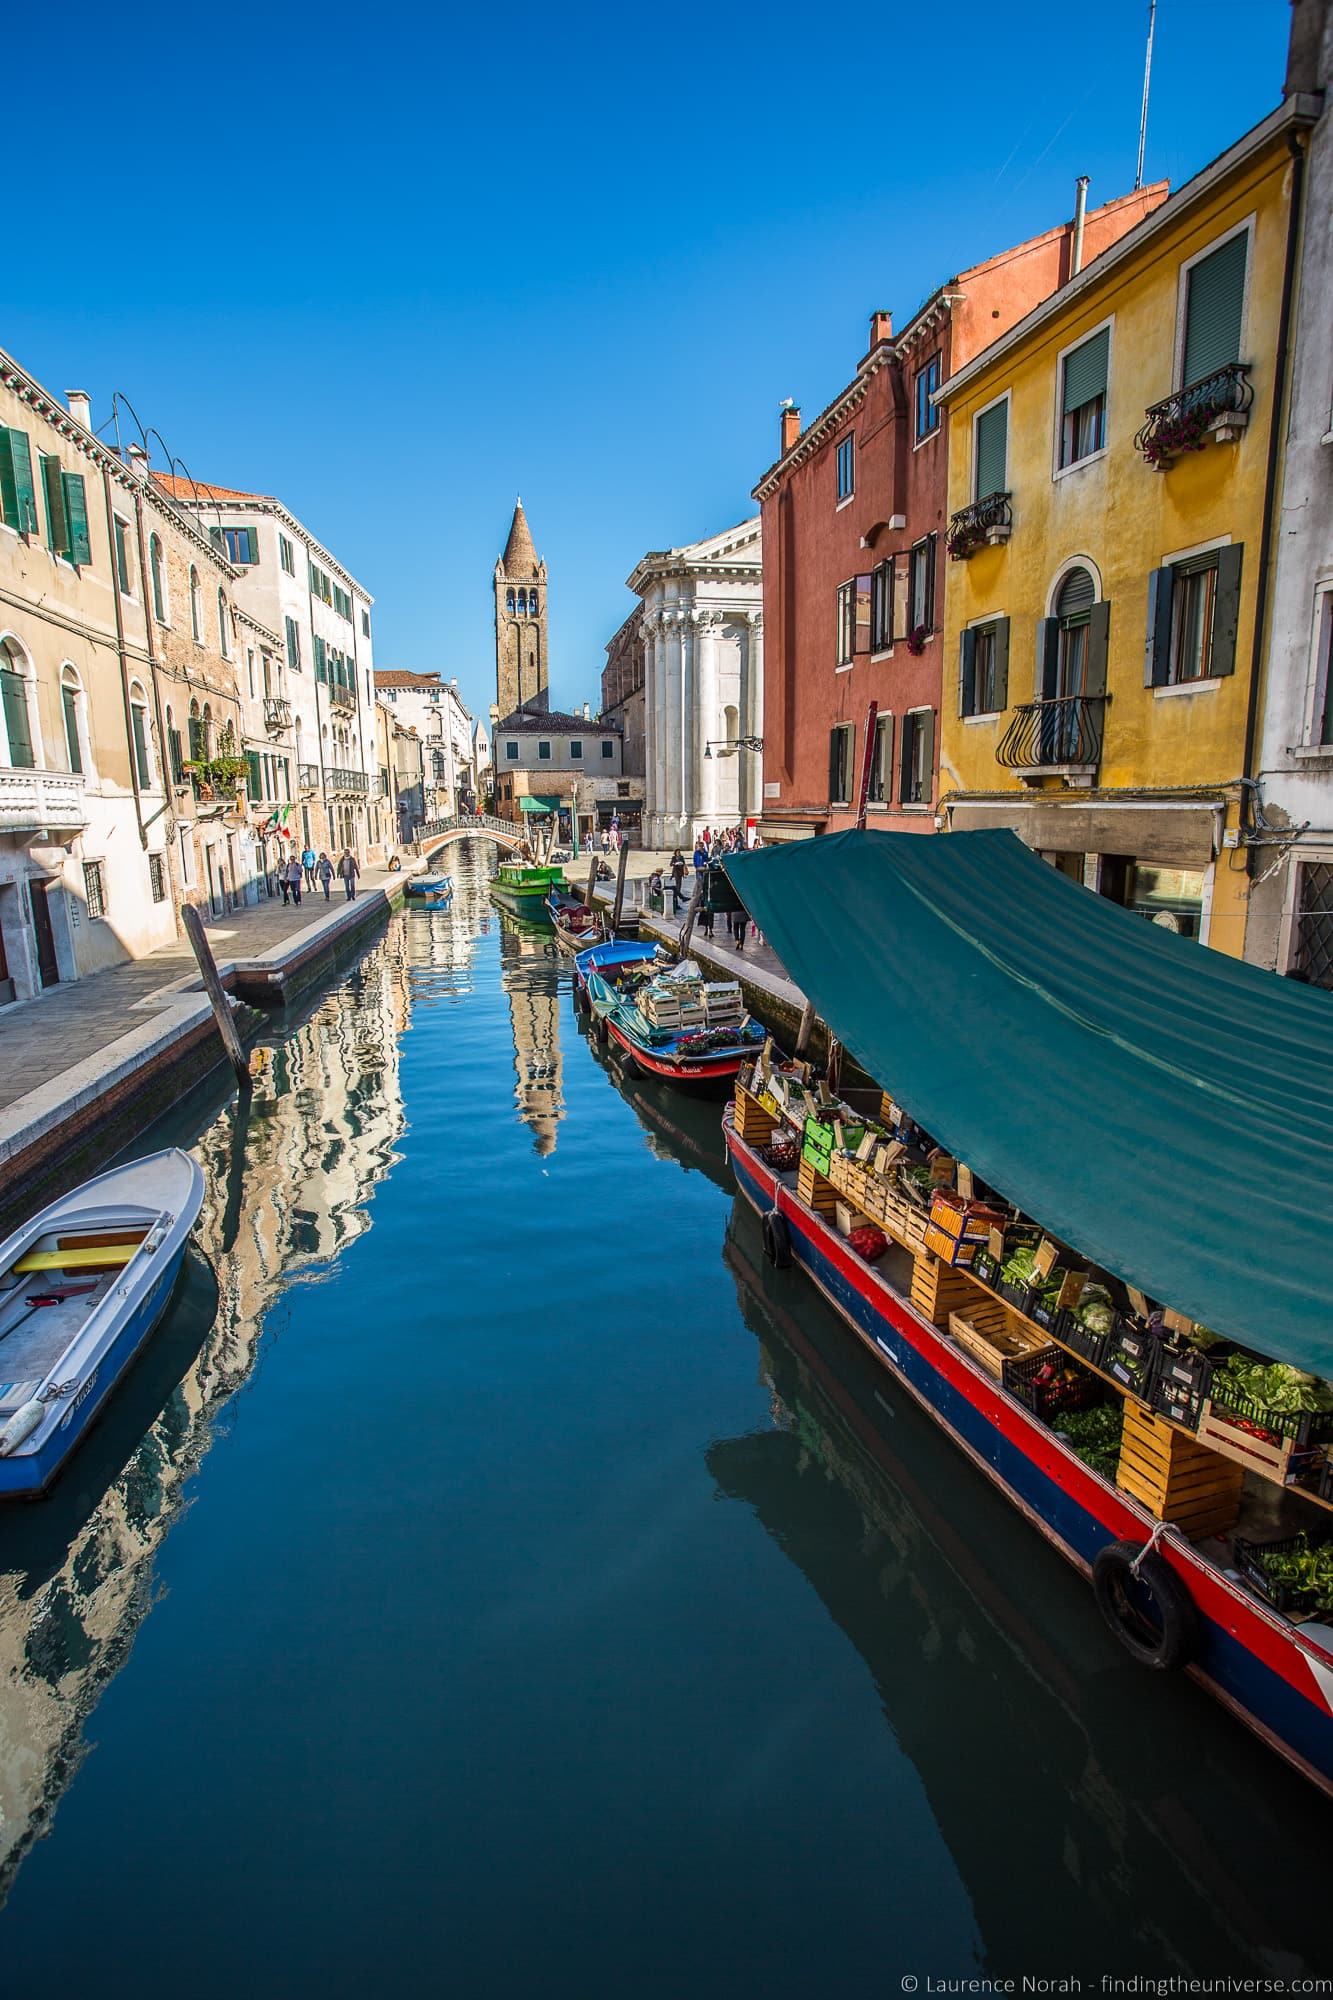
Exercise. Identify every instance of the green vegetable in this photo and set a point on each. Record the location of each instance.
(1306, 1570)
(1202, 1337)
(1095, 1435)
(1271, 1385)
(1019, 1267)
(1095, 1311)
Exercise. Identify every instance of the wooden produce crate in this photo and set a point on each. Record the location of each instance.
(903, 1221)
(1282, 1459)
(938, 1291)
(1176, 1478)
(754, 1124)
(992, 1334)
(815, 1189)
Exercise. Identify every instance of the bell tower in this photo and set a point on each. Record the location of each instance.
(521, 664)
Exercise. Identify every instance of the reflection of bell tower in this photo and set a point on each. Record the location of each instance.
(521, 667)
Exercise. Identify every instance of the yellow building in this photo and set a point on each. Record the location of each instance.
(1109, 469)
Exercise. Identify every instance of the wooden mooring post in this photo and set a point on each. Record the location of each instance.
(217, 994)
(620, 889)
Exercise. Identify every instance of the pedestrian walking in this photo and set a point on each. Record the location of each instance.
(324, 873)
(282, 879)
(348, 870)
(308, 863)
(295, 876)
(655, 895)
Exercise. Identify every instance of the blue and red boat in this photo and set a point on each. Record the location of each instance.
(606, 977)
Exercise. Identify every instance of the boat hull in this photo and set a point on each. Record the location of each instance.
(686, 1070)
(525, 903)
(1249, 1659)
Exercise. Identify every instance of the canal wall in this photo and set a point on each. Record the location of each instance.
(65, 1130)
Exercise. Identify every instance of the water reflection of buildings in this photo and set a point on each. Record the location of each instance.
(1076, 1837)
(532, 984)
(287, 1187)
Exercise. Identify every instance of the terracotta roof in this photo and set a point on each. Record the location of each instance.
(185, 489)
(528, 722)
(397, 677)
(520, 557)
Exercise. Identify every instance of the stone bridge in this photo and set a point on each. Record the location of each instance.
(434, 835)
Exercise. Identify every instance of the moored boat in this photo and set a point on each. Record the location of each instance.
(523, 887)
(82, 1286)
(577, 927)
(662, 1017)
(433, 890)
(1109, 1421)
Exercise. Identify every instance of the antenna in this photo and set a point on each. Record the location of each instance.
(1147, 78)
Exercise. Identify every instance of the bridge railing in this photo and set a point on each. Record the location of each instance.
(432, 829)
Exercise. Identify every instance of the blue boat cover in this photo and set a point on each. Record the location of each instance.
(1164, 1109)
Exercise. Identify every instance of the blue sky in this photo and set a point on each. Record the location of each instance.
(397, 266)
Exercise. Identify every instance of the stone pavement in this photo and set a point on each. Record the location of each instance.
(42, 1039)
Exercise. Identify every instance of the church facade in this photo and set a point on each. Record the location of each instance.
(522, 664)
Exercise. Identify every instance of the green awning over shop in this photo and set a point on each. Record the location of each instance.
(1164, 1109)
(538, 805)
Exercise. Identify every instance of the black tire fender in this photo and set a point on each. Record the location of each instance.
(630, 1065)
(1169, 1638)
(777, 1240)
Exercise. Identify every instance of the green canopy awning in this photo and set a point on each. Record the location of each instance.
(1164, 1109)
(535, 804)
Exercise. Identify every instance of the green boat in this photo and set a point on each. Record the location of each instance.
(522, 888)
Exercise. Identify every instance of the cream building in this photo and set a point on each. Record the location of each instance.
(703, 632)
(435, 709)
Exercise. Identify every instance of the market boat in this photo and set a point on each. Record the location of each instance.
(1203, 1075)
(81, 1287)
(522, 888)
(661, 1015)
(577, 927)
(433, 890)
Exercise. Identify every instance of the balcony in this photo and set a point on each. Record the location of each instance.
(277, 714)
(1217, 408)
(307, 777)
(985, 522)
(342, 698)
(1061, 738)
(345, 781)
(35, 801)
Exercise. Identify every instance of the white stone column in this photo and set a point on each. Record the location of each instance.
(689, 708)
(661, 728)
(671, 743)
(707, 728)
(649, 729)
(752, 718)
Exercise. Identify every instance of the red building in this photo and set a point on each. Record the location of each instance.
(854, 518)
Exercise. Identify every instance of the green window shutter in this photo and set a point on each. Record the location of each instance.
(926, 723)
(69, 703)
(1048, 657)
(1085, 370)
(321, 669)
(1213, 310)
(254, 777)
(992, 451)
(57, 522)
(1226, 609)
(1001, 663)
(1157, 652)
(18, 498)
(141, 763)
(14, 694)
(886, 722)
(76, 515)
(1099, 634)
(967, 678)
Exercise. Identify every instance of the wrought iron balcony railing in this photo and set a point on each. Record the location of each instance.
(344, 781)
(307, 777)
(1218, 407)
(1054, 735)
(341, 697)
(987, 520)
(277, 712)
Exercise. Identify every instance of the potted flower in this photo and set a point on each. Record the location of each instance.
(917, 637)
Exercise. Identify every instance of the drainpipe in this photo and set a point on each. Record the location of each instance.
(126, 704)
(1080, 211)
(1297, 149)
(164, 748)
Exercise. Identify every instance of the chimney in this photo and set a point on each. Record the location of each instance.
(1304, 48)
(80, 407)
(587, 712)
(791, 424)
(881, 327)
(1080, 211)
(138, 458)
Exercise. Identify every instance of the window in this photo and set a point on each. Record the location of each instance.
(509, 601)
(840, 743)
(187, 861)
(991, 453)
(224, 627)
(917, 775)
(124, 562)
(881, 762)
(241, 544)
(984, 675)
(342, 603)
(511, 749)
(254, 777)
(321, 585)
(365, 624)
(1321, 730)
(196, 607)
(321, 660)
(846, 467)
(66, 513)
(18, 497)
(94, 888)
(921, 613)
(575, 749)
(175, 753)
(1193, 615)
(846, 622)
(927, 382)
(71, 699)
(1312, 958)
(1083, 399)
(198, 740)
(14, 701)
(543, 749)
(156, 578)
(1214, 306)
(157, 877)
(293, 645)
(608, 749)
(286, 555)
(139, 729)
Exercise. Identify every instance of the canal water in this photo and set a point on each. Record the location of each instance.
(495, 1580)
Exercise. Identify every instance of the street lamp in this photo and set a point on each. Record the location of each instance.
(733, 743)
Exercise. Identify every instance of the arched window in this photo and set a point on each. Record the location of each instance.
(197, 749)
(532, 603)
(143, 763)
(157, 576)
(196, 607)
(224, 627)
(1065, 664)
(206, 728)
(1073, 611)
(71, 704)
(509, 600)
(16, 704)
